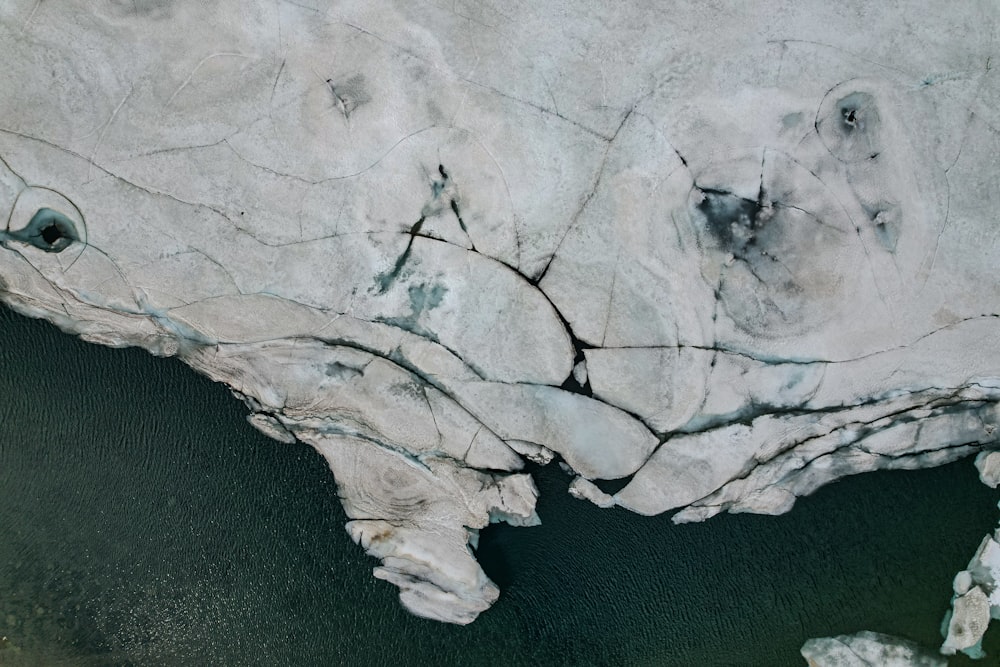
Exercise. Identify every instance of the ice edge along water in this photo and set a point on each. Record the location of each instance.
(725, 266)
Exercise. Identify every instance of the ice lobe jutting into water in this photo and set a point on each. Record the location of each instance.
(724, 256)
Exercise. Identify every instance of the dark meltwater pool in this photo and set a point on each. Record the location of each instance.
(144, 522)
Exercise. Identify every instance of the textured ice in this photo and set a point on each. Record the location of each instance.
(867, 649)
(706, 252)
(977, 593)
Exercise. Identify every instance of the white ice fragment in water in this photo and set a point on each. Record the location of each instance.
(988, 464)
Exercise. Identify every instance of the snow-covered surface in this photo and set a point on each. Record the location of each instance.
(735, 253)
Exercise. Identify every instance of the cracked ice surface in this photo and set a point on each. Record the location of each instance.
(699, 251)
(867, 649)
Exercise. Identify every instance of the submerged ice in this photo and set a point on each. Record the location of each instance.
(724, 266)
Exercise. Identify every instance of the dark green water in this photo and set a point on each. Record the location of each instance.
(144, 522)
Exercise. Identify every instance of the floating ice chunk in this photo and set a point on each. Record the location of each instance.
(868, 649)
(969, 619)
(988, 464)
